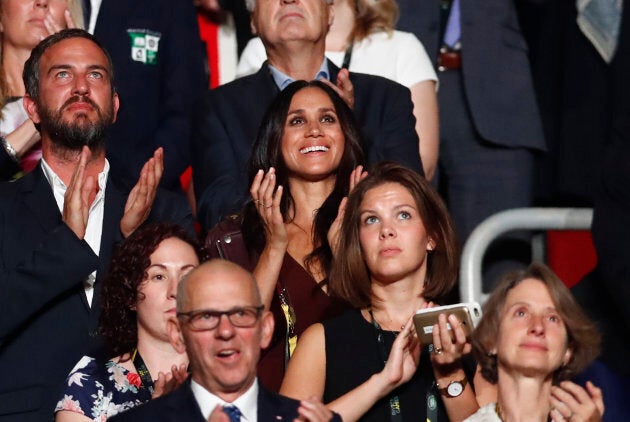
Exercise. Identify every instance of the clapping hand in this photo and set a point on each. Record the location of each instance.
(167, 382)
(79, 194)
(52, 27)
(268, 205)
(403, 358)
(313, 410)
(140, 199)
(570, 401)
(344, 87)
(335, 228)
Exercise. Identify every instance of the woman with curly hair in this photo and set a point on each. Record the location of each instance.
(138, 299)
(532, 339)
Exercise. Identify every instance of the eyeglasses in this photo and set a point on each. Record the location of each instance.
(208, 319)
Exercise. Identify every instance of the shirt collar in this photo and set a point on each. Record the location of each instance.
(283, 80)
(59, 187)
(247, 403)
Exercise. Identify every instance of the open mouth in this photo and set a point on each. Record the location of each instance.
(314, 148)
(227, 353)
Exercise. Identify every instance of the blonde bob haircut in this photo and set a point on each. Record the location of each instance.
(350, 276)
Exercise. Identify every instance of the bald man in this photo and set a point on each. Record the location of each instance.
(222, 325)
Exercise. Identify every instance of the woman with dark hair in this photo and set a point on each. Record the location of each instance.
(532, 338)
(305, 160)
(138, 299)
(397, 253)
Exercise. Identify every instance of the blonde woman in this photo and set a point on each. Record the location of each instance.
(23, 24)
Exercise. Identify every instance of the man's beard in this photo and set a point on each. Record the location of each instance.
(74, 135)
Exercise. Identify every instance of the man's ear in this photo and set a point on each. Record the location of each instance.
(30, 106)
(175, 335)
(116, 106)
(268, 324)
(252, 25)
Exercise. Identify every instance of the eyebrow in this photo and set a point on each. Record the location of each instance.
(395, 208)
(64, 66)
(321, 109)
(530, 305)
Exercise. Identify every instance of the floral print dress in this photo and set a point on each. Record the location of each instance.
(101, 391)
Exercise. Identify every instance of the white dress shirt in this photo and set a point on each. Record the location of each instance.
(94, 228)
(246, 403)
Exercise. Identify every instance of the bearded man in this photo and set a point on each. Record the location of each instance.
(59, 224)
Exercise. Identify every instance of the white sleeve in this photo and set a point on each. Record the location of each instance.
(252, 58)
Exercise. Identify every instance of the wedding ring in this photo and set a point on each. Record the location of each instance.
(259, 202)
(437, 350)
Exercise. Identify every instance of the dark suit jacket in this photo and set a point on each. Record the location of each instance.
(156, 101)
(181, 405)
(46, 324)
(227, 123)
(495, 67)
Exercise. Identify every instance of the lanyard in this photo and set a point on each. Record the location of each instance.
(394, 401)
(145, 376)
(347, 57)
(289, 314)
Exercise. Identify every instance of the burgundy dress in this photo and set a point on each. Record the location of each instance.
(309, 302)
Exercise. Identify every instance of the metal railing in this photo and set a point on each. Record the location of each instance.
(470, 285)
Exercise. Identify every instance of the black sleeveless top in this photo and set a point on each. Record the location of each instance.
(352, 357)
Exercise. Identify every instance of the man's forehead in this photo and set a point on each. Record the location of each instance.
(75, 51)
(219, 286)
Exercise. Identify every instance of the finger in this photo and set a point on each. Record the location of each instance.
(69, 20)
(263, 189)
(50, 25)
(458, 329)
(446, 339)
(159, 163)
(596, 396)
(569, 391)
(254, 188)
(270, 188)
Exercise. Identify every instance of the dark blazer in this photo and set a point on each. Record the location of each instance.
(227, 123)
(495, 67)
(181, 405)
(156, 100)
(46, 324)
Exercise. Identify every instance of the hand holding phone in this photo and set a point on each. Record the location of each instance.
(468, 313)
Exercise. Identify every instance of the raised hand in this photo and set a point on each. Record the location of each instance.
(76, 205)
(569, 401)
(167, 382)
(313, 410)
(267, 200)
(140, 199)
(344, 87)
(53, 27)
(335, 228)
(403, 358)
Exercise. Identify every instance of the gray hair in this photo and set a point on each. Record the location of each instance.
(251, 4)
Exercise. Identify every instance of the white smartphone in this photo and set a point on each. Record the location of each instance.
(468, 313)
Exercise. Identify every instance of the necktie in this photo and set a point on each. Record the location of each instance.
(233, 412)
(600, 20)
(453, 29)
